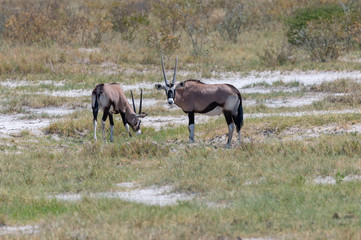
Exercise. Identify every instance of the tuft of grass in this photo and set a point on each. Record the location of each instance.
(338, 86)
(74, 125)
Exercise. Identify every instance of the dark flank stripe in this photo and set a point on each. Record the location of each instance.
(210, 107)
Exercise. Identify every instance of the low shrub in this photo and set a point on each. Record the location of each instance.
(274, 56)
(298, 22)
(326, 31)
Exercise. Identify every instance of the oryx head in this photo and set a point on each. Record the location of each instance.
(168, 87)
(133, 118)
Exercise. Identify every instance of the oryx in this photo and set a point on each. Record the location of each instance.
(110, 97)
(194, 96)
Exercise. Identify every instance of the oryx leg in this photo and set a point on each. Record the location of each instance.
(238, 128)
(104, 118)
(95, 108)
(191, 127)
(111, 126)
(228, 116)
(95, 114)
(125, 122)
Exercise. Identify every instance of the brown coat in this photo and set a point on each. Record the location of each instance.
(195, 96)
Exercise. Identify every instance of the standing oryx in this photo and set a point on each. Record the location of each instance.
(111, 98)
(193, 96)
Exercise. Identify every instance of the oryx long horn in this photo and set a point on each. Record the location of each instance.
(131, 92)
(165, 77)
(175, 70)
(141, 100)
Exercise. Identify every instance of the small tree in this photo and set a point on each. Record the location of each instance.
(325, 31)
(166, 37)
(233, 20)
(128, 16)
(324, 40)
(168, 14)
(194, 20)
(163, 41)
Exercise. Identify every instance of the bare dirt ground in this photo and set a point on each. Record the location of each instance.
(153, 195)
(13, 123)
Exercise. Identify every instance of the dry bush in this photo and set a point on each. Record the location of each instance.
(128, 16)
(163, 42)
(167, 11)
(274, 56)
(234, 18)
(324, 40)
(55, 21)
(325, 30)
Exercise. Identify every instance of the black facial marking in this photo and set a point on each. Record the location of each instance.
(170, 94)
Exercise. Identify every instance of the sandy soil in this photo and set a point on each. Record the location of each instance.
(12, 124)
(153, 195)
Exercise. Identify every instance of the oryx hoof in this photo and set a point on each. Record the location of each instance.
(228, 146)
(191, 141)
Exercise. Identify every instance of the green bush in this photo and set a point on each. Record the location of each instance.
(298, 22)
(324, 40)
(325, 31)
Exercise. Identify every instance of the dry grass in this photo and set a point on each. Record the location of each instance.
(263, 188)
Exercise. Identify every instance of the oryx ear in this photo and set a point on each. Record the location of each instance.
(141, 115)
(159, 86)
(181, 84)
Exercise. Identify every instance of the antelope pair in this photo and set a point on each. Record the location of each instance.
(111, 98)
(191, 95)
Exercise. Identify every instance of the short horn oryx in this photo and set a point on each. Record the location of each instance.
(193, 96)
(111, 98)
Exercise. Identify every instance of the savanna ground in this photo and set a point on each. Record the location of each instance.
(295, 176)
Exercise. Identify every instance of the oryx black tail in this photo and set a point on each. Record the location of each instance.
(239, 118)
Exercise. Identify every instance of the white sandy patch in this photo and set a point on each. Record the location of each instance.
(68, 93)
(332, 180)
(162, 122)
(154, 195)
(308, 99)
(297, 133)
(265, 90)
(12, 124)
(51, 111)
(26, 230)
(21, 83)
(126, 185)
(89, 50)
(239, 80)
(300, 114)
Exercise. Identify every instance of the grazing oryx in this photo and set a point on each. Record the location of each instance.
(111, 98)
(193, 96)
